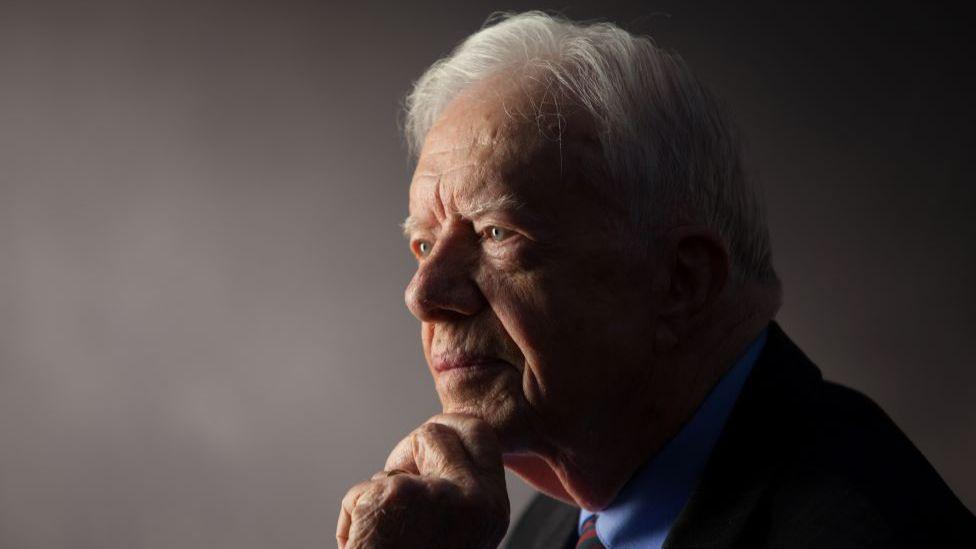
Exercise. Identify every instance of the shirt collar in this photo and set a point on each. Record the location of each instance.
(642, 513)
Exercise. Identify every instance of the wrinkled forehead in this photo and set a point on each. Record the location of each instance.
(502, 137)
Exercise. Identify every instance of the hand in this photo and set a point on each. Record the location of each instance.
(451, 492)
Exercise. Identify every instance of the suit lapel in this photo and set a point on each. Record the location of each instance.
(761, 430)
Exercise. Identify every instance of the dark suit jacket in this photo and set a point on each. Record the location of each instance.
(802, 463)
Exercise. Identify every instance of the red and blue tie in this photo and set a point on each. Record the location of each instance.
(588, 539)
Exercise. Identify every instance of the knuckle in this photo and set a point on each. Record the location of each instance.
(399, 458)
(399, 487)
(434, 430)
(470, 423)
(462, 421)
(380, 509)
(367, 501)
(396, 494)
(349, 500)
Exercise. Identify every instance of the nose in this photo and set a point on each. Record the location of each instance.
(443, 288)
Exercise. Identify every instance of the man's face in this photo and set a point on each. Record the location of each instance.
(535, 316)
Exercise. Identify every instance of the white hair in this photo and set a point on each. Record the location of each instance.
(666, 140)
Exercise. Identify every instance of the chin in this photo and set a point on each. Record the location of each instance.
(504, 416)
(493, 395)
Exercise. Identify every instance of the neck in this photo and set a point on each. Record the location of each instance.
(591, 473)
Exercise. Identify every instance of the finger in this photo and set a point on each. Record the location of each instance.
(346, 512)
(480, 444)
(438, 452)
(378, 511)
(478, 439)
(386, 473)
(402, 456)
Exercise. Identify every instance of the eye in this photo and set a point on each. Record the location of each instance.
(497, 234)
(422, 248)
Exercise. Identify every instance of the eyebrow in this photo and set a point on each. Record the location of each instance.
(504, 202)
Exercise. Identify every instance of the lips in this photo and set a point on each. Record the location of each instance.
(447, 363)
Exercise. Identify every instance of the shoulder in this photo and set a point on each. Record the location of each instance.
(854, 479)
(810, 463)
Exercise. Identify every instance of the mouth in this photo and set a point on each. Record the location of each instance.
(467, 362)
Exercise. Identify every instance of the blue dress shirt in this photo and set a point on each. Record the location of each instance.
(647, 506)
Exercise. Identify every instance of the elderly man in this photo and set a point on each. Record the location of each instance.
(596, 296)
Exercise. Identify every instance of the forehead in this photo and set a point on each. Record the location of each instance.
(499, 139)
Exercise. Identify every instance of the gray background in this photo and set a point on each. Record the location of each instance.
(203, 341)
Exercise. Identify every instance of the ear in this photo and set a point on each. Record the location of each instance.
(694, 269)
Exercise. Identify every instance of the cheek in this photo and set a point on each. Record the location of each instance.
(566, 319)
(524, 303)
(513, 297)
(581, 320)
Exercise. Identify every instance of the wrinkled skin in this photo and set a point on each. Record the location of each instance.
(527, 266)
(554, 348)
(451, 493)
(552, 300)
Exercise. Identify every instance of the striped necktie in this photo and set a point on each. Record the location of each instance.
(588, 539)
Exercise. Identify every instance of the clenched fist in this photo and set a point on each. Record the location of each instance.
(444, 486)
